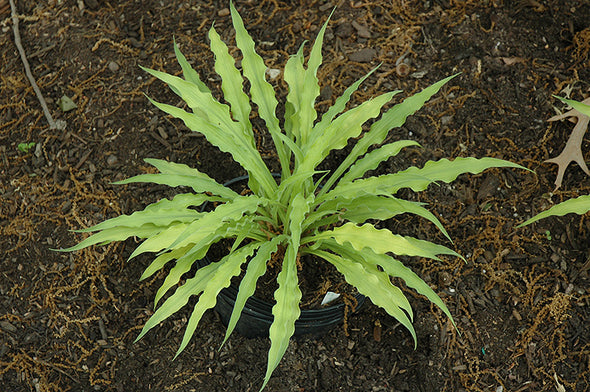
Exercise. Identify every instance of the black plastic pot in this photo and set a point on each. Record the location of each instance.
(257, 317)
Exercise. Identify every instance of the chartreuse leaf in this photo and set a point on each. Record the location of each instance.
(261, 91)
(393, 118)
(243, 153)
(119, 233)
(223, 222)
(166, 167)
(371, 160)
(418, 179)
(447, 171)
(181, 175)
(295, 180)
(256, 268)
(195, 252)
(183, 265)
(192, 286)
(396, 269)
(347, 125)
(363, 208)
(288, 294)
(374, 284)
(579, 205)
(162, 213)
(208, 280)
(231, 84)
(161, 241)
(382, 241)
(199, 185)
(159, 262)
(217, 112)
(294, 76)
(202, 239)
(298, 209)
(340, 104)
(220, 280)
(190, 75)
(305, 97)
(285, 311)
(223, 213)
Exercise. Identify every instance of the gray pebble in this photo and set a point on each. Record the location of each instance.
(7, 326)
(113, 66)
(112, 160)
(362, 30)
(135, 43)
(363, 55)
(344, 30)
(92, 4)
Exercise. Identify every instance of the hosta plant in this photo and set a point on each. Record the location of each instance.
(305, 212)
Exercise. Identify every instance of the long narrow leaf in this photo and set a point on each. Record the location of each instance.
(166, 167)
(362, 208)
(202, 241)
(285, 311)
(230, 211)
(162, 213)
(393, 118)
(383, 241)
(579, 106)
(231, 84)
(396, 269)
(183, 265)
(579, 205)
(307, 113)
(220, 280)
(159, 262)
(119, 233)
(243, 153)
(418, 179)
(374, 284)
(261, 91)
(335, 136)
(212, 277)
(217, 112)
(193, 286)
(161, 241)
(372, 160)
(256, 268)
(199, 185)
(340, 104)
(294, 76)
(188, 72)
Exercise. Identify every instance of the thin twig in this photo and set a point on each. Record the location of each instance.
(21, 50)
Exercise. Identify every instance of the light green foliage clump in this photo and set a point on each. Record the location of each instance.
(294, 216)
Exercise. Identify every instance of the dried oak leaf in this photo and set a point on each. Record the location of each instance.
(573, 147)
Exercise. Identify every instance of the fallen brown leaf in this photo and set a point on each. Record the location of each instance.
(573, 147)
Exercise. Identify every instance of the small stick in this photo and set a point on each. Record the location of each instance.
(21, 50)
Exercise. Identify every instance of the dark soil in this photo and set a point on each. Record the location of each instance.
(521, 301)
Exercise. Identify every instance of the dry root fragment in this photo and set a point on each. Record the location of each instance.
(573, 147)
